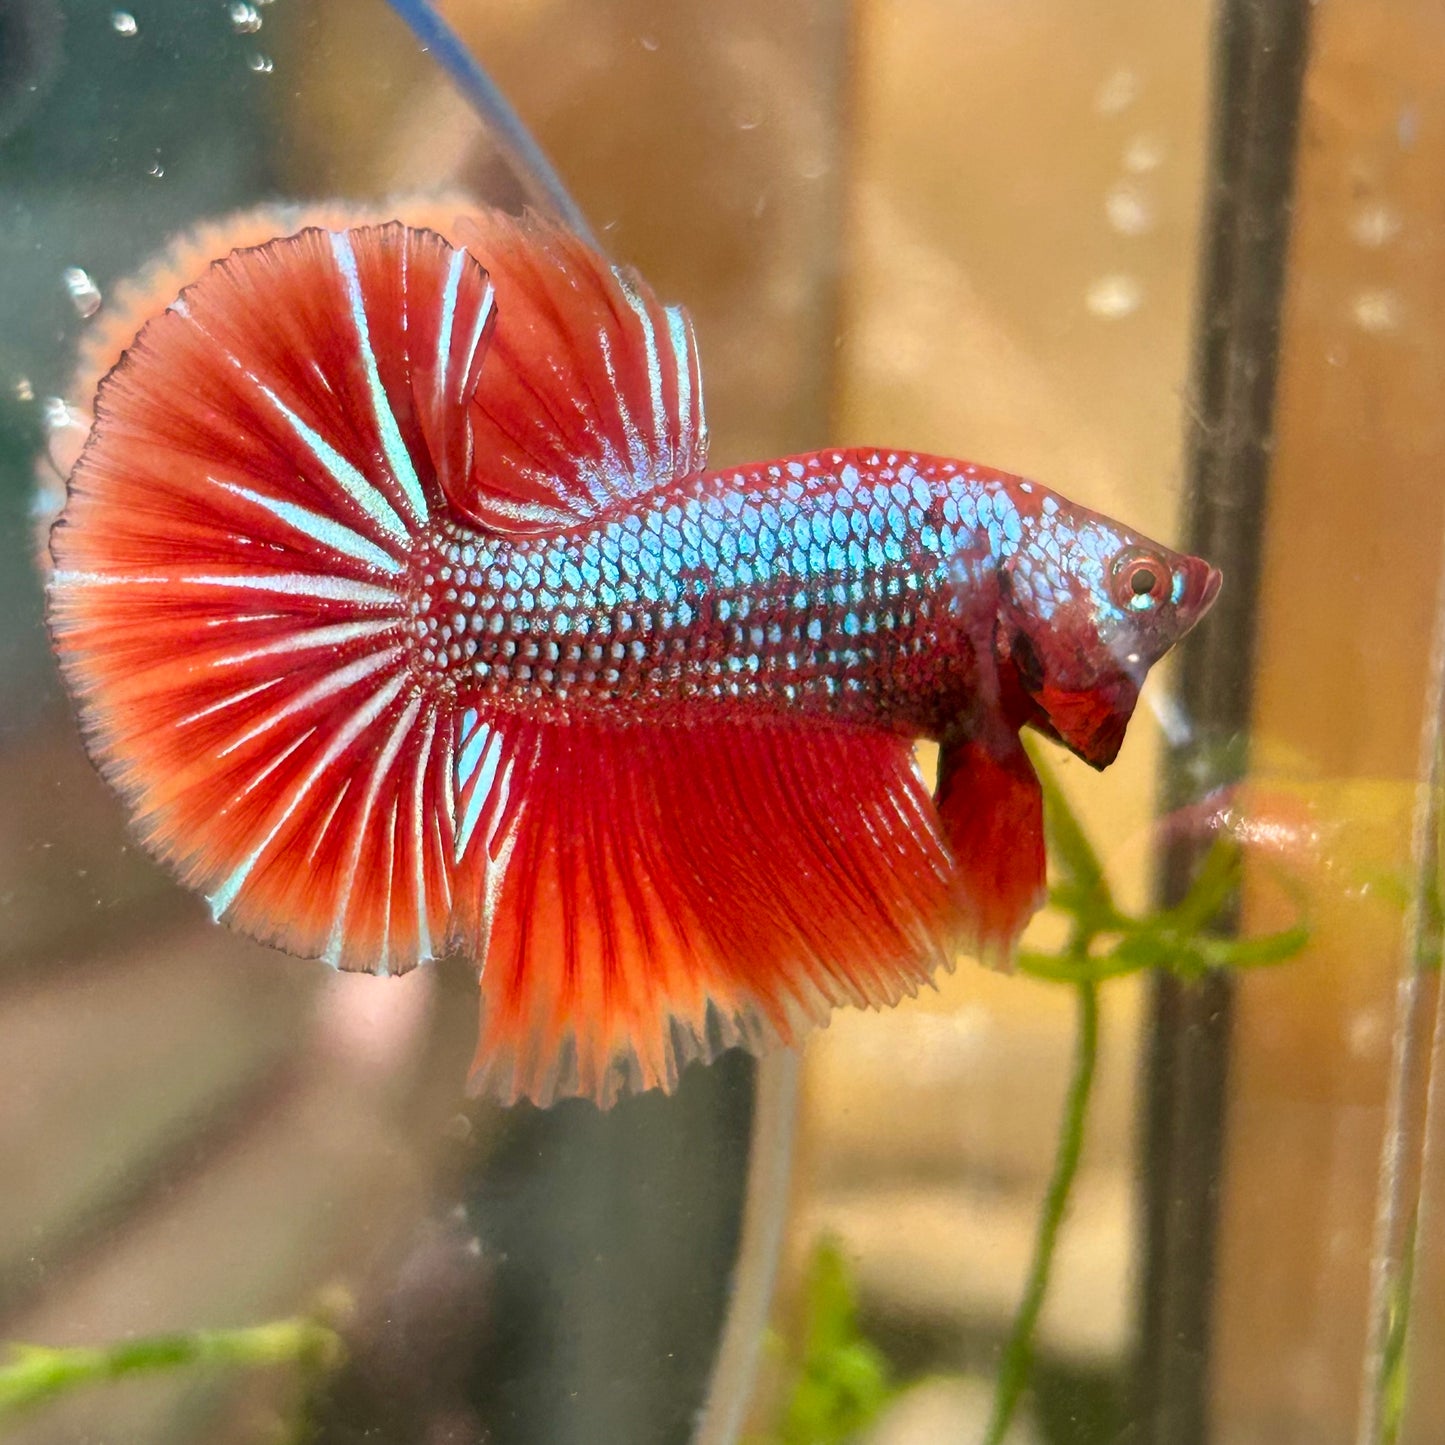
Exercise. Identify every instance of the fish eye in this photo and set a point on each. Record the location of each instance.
(1139, 579)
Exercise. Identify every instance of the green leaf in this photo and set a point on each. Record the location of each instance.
(33, 1374)
(1070, 850)
(841, 1382)
(1213, 886)
(1260, 952)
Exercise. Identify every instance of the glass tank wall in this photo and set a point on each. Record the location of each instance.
(1086, 244)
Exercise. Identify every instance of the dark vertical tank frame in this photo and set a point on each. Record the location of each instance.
(1259, 63)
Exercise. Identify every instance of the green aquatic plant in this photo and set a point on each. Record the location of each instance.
(1104, 942)
(839, 1381)
(33, 1375)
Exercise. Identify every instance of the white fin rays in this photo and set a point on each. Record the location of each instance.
(479, 329)
(692, 416)
(446, 333)
(301, 584)
(335, 635)
(417, 815)
(381, 768)
(333, 682)
(481, 783)
(687, 450)
(372, 708)
(330, 533)
(341, 472)
(638, 307)
(448, 322)
(397, 456)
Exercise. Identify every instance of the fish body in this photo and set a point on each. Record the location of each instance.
(404, 609)
(833, 585)
(858, 587)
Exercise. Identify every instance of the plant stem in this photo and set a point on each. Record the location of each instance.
(1017, 1363)
(37, 1373)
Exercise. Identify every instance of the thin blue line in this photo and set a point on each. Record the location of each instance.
(513, 138)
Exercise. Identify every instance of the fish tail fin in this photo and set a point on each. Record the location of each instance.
(235, 579)
(643, 896)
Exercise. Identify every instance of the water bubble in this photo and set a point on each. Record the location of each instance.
(83, 292)
(1367, 1034)
(1129, 210)
(261, 64)
(1113, 297)
(245, 19)
(1117, 93)
(23, 390)
(1143, 154)
(123, 22)
(57, 414)
(1375, 225)
(1376, 311)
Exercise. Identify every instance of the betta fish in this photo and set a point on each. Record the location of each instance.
(403, 608)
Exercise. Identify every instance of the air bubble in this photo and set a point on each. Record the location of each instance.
(83, 292)
(123, 23)
(1375, 225)
(649, 43)
(57, 414)
(245, 19)
(1129, 210)
(1376, 311)
(1114, 297)
(1118, 92)
(156, 169)
(261, 64)
(23, 389)
(1143, 154)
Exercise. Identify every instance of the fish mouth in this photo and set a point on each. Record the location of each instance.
(1201, 586)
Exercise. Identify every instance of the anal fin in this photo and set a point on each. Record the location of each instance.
(647, 895)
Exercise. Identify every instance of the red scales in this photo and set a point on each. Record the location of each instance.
(401, 607)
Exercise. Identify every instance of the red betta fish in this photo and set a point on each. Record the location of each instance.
(403, 609)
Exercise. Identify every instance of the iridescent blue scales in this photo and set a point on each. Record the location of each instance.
(402, 606)
(832, 584)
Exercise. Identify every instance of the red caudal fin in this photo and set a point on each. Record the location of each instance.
(230, 593)
(992, 809)
(645, 896)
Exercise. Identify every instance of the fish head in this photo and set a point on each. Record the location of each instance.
(1087, 607)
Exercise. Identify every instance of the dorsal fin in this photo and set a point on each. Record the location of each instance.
(591, 390)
